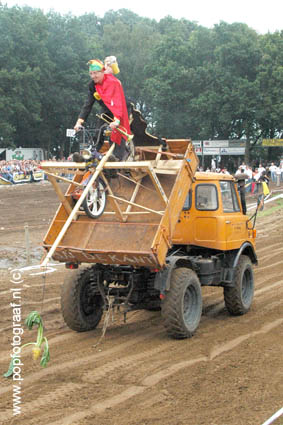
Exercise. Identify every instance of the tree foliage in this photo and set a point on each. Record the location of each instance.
(188, 80)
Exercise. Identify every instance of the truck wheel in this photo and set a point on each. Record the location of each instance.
(81, 308)
(182, 307)
(95, 200)
(238, 299)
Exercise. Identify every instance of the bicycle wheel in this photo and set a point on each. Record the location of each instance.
(95, 200)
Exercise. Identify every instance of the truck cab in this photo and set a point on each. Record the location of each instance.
(212, 215)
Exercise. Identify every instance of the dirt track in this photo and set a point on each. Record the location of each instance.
(229, 373)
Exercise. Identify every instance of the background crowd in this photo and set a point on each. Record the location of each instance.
(9, 168)
(267, 172)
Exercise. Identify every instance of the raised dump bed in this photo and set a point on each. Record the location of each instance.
(143, 206)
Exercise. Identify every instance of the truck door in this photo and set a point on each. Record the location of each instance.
(235, 221)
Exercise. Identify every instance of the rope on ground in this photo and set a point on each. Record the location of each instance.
(110, 300)
(43, 290)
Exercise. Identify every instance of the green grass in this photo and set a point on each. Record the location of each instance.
(266, 212)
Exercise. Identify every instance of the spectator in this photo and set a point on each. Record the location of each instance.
(255, 184)
(261, 168)
(272, 170)
(225, 171)
(249, 181)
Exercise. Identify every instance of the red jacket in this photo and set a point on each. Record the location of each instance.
(112, 95)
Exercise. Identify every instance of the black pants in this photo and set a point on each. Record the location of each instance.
(243, 199)
(119, 150)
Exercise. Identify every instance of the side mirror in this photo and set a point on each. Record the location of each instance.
(260, 202)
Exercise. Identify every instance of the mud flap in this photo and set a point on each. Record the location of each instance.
(163, 277)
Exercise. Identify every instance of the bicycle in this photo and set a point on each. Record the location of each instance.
(95, 201)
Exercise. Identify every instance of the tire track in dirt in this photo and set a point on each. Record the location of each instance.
(272, 253)
(269, 247)
(88, 377)
(53, 340)
(279, 263)
(48, 311)
(261, 291)
(39, 285)
(210, 310)
(262, 281)
(27, 303)
(153, 380)
(215, 308)
(59, 392)
(82, 361)
(69, 335)
(266, 234)
(132, 391)
(263, 260)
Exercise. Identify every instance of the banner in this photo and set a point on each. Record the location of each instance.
(215, 143)
(272, 142)
(232, 151)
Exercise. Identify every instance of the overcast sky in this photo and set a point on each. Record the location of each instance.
(261, 15)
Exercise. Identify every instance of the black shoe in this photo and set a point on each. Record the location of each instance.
(110, 174)
(125, 156)
(113, 158)
(77, 157)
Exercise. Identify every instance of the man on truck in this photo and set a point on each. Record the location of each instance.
(107, 90)
(241, 178)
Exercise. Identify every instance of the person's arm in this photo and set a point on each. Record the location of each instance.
(87, 106)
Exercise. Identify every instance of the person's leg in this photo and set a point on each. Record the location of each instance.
(249, 186)
(243, 201)
(120, 151)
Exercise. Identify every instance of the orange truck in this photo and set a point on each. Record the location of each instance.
(166, 231)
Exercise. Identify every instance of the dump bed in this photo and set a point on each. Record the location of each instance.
(143, 206)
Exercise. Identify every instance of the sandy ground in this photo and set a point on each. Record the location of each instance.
(229, 373)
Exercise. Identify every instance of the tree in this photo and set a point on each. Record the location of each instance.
(270, 81)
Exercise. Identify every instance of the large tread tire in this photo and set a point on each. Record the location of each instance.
(238, 298)
(81, 310)
(182, 307)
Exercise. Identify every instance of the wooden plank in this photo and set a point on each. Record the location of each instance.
(123, 212)
(157, 185)
(135, 205)
(158, 156)
(141, 149)
(62, 165)
(115, 205)
(127, 165)
(163, 171)
(63, 179)
(169, 164)
(60, 195)
(133, 197)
